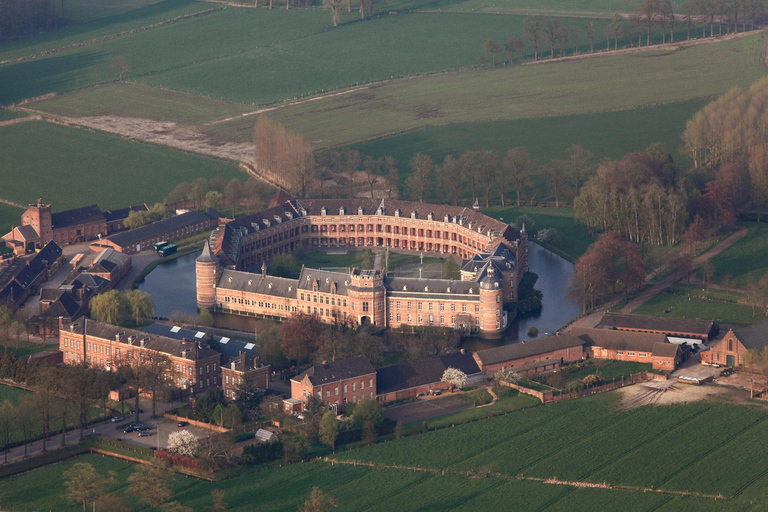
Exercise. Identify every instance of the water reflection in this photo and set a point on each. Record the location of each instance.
(557, 310)
(172, 286)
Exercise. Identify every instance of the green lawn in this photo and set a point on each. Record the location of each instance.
(542, 90)
(744, 258)
(7, 115)
(610, 370)
(606, 134)
(572, 240)
(9, 216)
(72, 167)
(586, 440)
(689, 302)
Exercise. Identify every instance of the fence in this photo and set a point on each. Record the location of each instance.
(548, 396)
(196, 423)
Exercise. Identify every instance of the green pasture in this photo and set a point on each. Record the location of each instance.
(82, 11)
(572, 238)
(129, 99)
(112, 25)
(606, 134)
(701, 447)
(744, 259)
(544, 7)
(9, 216)
(7, 115)
(72, 167)
(692, 302)
(537, 90)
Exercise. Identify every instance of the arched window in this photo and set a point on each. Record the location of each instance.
(730, 345)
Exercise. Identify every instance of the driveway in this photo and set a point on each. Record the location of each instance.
(138, 263)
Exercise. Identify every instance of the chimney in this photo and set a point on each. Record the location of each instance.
(183, 340)
(232, 364)
(199, 344)
(463, 351)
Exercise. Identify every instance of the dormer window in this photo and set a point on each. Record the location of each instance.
(323, 211)
(342, 210)
(380, 211)
(447, 218)
(414, 214)
(397, 212)
(359, 210)
(430, 216)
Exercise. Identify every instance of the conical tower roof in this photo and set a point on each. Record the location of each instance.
(207, 256)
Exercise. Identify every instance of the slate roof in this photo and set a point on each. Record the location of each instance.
(84, 215)
(162, 227)
(161, 344)
(655, 323)
(620, 340)
(528, 348)
(755, 336)
(122, 213)
(108, 260)
(26, 232)
(338, 370)
(206, 256)
(11, 293)
(257, 283)
(433, 287)
(324, 280)
(422, 372)
(50, 294)
(65, 306)
(231, 348)
(665, 350)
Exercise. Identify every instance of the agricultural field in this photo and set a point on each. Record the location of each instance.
(698, 448)
(9, 216)
(73, 167)
(606, 134)
(546, 7)
(539, 90)
(682, 301)
(83, 11)
(745, 258)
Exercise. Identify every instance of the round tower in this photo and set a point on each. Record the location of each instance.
(493, 319)
(206, 276)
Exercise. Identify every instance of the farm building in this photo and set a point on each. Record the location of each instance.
(677, 327)
(532, 356)
(730, 350)
(337, 383)
(110, 265)
(641, 347)
(173, 228)
(22, 278)
(116, 218)
(414, 378)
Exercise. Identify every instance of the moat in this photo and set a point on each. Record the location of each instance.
(172, 286)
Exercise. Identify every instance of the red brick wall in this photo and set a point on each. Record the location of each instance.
(728, 346)
(353, 390)
(551, 359)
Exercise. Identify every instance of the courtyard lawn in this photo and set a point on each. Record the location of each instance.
(691, 302)
(71, 167)
(572, 239)
(744, 259)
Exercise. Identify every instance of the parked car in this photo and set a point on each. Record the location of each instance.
(145, 434)
(129, 429)
(182, 424)
(117, 418)
(142, 428)
(133, 411)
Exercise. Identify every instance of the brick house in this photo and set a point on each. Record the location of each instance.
(22, 277)
(244, 366)
(416, 377)
(192, 366)
(730, 350)
(532, 356)
(337, 383)
(640, 347)
(677, 327)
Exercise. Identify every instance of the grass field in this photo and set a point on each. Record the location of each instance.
(575, 87)
(82, 11)
(606, 134)
(72, 167)
(9, 216)
(744, 258)
(545, 7)
(690, 302)
(573, 239)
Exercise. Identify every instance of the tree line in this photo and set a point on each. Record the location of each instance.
(23, 17)
(550, 34)
(217, 193)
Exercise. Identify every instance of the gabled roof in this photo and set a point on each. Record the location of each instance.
(411, 285)
(84, 215)
(528, 348)
(257, 283)
(755, 336)
(162, 227)
(65, 306)
(422, 372)
(665, 350)
(163, 344)
(108, 260)
(23, 233)
(656, 323)
(336, 371)
(280, 197)
(325, 280)
(122, 213)
(620, 340)
(11, 293)
(227, 347)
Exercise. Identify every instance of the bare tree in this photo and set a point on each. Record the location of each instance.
(533, 28)
(649, 11)
(333, 5)
(514, 46)
(422, 168)
(589, 27)
(518, 167)
(372, 171)
(449, 178)
(492, 47)
(552, 29)
(120, 66)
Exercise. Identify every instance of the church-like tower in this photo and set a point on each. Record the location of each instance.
(206, 275)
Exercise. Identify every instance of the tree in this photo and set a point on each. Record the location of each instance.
(518, 167)
(183, 442)
(151, 484)
(84, 484)
(367, 410)
(232, 417)
(213, 199)
(137, 219)
(488, 166)
(454, 377)
(329, 429)
(25, 418)
(335, 8)
(393, 177)
(175, 506)
(301, 336)
(205, 406)
(589, 27)
(514, 47)
(205, 318)
(120, 66)
(648, 11)
(369, 433)
(112, 503)
(107, 307)
(140, 304)
(372, 171)
(449, 179)
(318, 501)
(152, 369)
(7, 415)
(578, 165)
(615, 29)
(533, 27)
(552, 31)
(493, 48)
(555, 173)
(419, 179)
(233, 194)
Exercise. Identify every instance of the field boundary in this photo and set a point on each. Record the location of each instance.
(109, 37)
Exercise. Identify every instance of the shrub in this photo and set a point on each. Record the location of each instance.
(183, 442)
(533, 331)
(454, 377)
(262, 452)
(180, 460)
